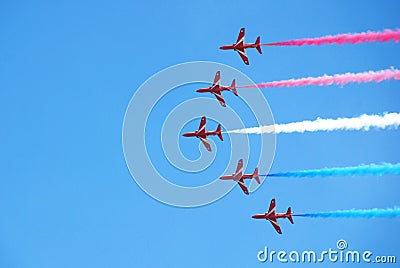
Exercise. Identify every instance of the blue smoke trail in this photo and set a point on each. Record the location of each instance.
(362, 170)
(355, 213)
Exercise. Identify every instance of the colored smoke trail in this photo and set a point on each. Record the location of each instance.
(355, 213)
(363, 122)
(337, 79)
(361, 170)
(351, 38)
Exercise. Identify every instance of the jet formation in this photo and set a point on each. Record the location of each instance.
(201, 133)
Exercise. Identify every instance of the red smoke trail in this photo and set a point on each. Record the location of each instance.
(385, 36)
(337, 79)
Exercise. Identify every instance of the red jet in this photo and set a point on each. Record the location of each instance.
(240, 46)
(217, 89)
(239, 177)
(202, 134)
(272, 217)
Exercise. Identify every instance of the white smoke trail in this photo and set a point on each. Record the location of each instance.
(363, 122)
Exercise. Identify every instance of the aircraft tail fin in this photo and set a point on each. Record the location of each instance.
(233, 87)
(218, 130)
(289, 215)
(255, 176)
(258, 47)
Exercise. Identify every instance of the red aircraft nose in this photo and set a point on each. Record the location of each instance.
(185, 134)
(202, 90)
(258, 216)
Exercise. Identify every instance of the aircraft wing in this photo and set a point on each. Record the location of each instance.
(239, 170)
(206, 143)
(202, 126)
(272, 207)
(220, 98)
(275, 224)
(240, 39)
(242, 54)
(243, 186)
(217, 78)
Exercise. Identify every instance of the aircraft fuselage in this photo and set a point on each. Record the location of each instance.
(214, 88)
(239, 46)
(197, 134)
(270, 217)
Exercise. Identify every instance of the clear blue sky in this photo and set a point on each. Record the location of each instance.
(68, 70)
